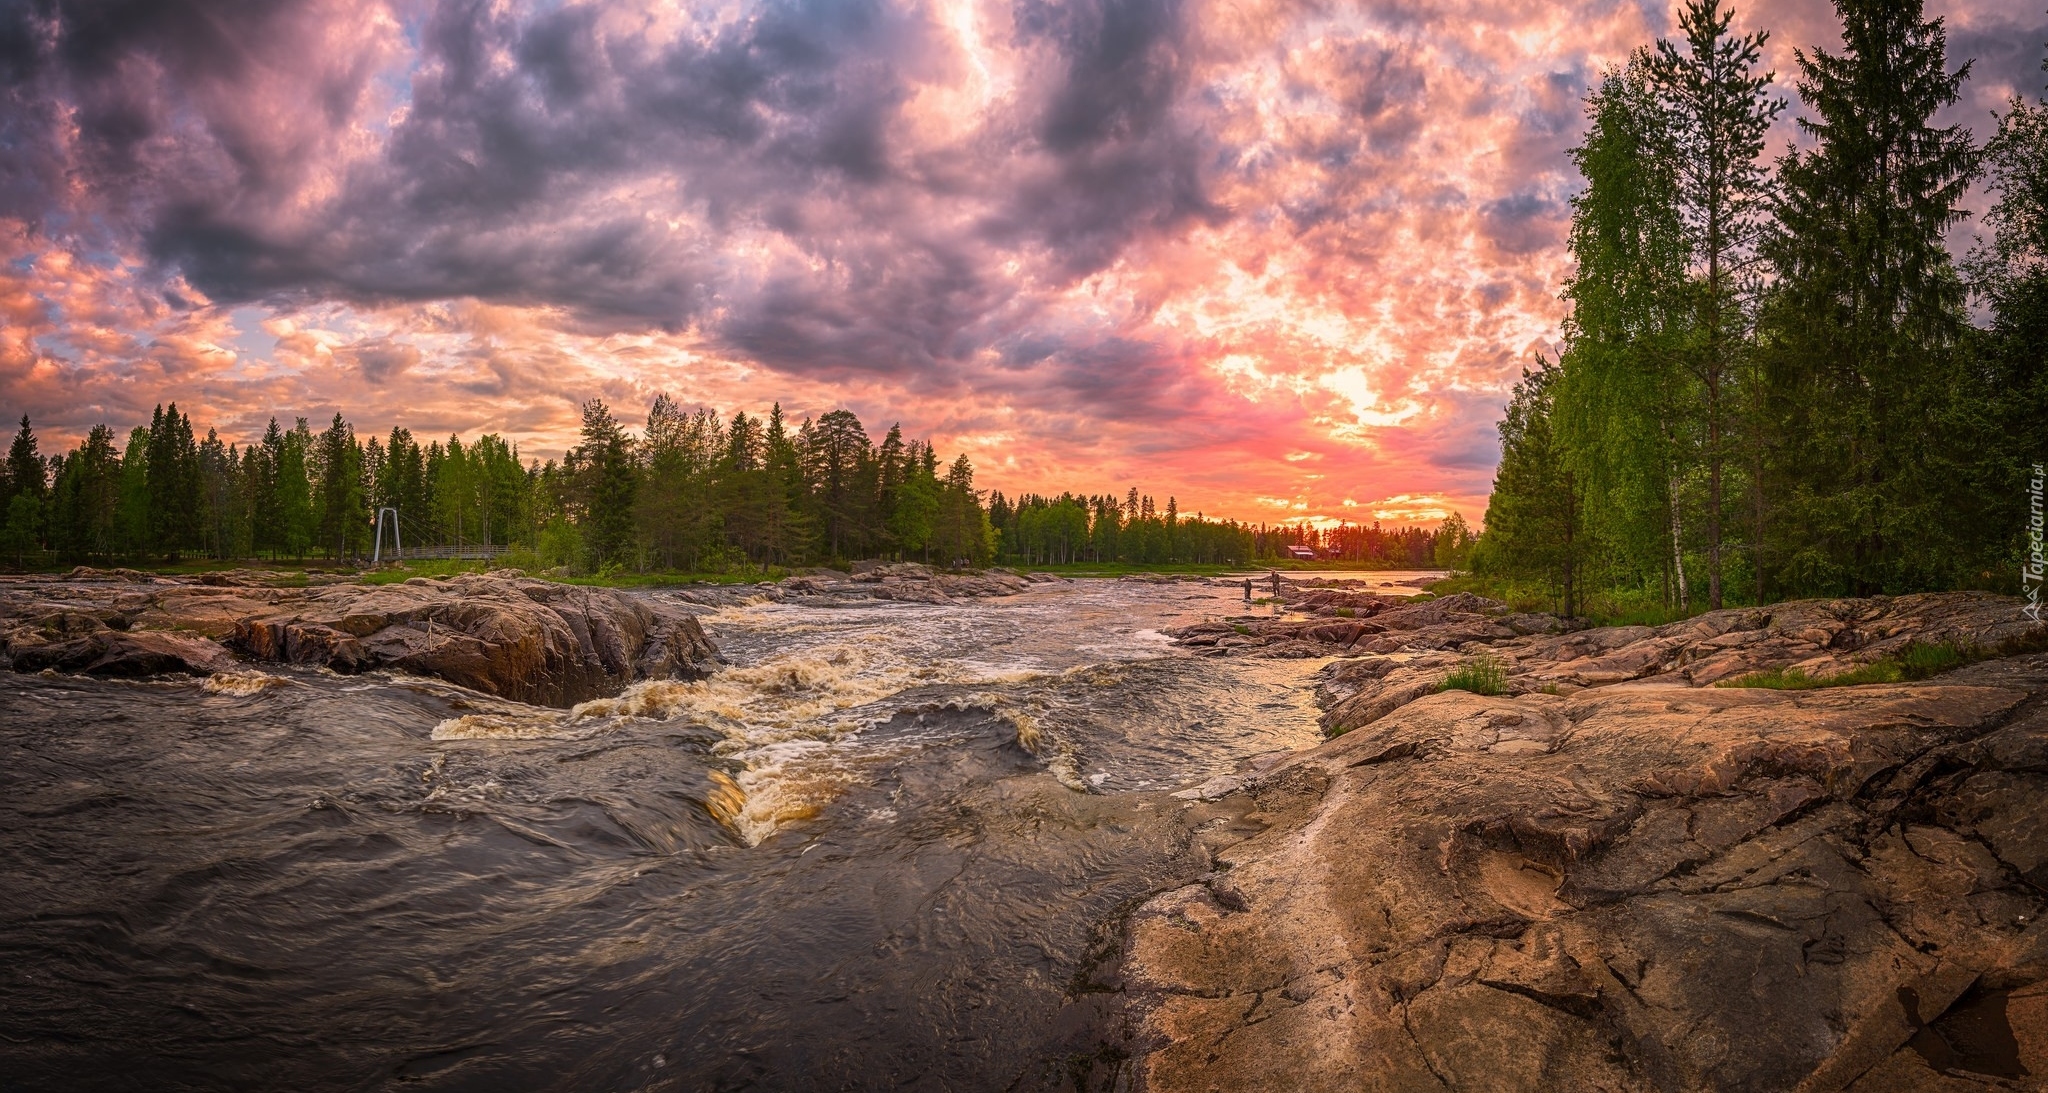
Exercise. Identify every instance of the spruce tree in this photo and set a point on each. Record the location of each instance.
(174, 484)
(607, 455)
(1535, 517)
(1867, 309)
(27, 480)
(26, 471)
(339, 512)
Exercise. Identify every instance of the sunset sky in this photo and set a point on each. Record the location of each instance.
(1281, 260)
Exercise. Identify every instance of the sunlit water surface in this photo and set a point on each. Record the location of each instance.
(887, 848)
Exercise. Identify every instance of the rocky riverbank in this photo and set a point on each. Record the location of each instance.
(1616, 876)
(502, 634)
(867, 582)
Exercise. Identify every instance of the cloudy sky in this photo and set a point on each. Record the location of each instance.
(1280, 259)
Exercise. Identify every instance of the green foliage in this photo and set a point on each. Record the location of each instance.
(19, 531)
(1535, 518)
(1482, 675)
(1868, 392)
(1769, 376)
(1917, 660)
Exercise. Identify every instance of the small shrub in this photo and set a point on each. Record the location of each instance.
(1346, 613)
(1919, 661)
(1240, 628)
(1481, 675)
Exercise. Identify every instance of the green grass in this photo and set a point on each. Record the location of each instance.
(1918, 660)
(1481, 675)
(1599, 608)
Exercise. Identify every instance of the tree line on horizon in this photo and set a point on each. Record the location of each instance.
(1772, 383)
(693, 491)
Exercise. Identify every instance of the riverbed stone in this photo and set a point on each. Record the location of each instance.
(530, 640)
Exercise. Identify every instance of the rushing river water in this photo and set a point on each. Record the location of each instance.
(887, 848)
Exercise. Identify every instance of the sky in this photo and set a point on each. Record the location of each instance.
(1281, 260)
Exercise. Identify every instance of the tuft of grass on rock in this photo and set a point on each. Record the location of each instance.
(1482, 675)
(1918, 660)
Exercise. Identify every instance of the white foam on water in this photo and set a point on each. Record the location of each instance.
(241, 684)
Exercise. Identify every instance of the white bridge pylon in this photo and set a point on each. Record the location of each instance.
(377, 541)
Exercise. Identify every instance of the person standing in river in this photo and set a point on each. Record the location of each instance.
(1247, 590)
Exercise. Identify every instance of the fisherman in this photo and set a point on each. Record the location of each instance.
(1247, 590)
(1276, 584)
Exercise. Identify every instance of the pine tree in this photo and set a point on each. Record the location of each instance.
(1719, 112)
(786, 532)
(87, 498)
(837, 458)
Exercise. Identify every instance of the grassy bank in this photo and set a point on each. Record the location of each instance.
(1604, 608)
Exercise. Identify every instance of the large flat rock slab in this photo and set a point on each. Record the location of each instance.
(1642, 887)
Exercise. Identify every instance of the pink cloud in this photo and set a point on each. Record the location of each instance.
(1279, 260)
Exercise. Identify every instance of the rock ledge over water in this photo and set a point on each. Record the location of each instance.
(530, 640)
(1643, 884)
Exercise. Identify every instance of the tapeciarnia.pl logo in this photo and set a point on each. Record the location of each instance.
(2032, 571)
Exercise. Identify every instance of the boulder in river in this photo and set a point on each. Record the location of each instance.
(534, 641)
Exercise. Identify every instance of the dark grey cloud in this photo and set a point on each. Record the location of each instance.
(548, 156)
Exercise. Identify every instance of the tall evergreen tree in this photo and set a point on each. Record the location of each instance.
(267, 492)
(1535, 518)
(607, 456)
(1868, 306)
(1719, 109)
(27, 478)
(88, 497)
(340, 515)
(294, 491)
(174, 482)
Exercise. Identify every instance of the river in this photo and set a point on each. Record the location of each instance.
(887, 848)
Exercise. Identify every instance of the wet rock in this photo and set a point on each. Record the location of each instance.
(529, 640)
(906, 582)
(1641, 886)
(118, 655)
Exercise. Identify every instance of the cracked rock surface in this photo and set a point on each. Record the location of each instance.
(1642, 884)
(529, 640)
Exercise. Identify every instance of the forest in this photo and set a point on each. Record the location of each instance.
(1776, 380)
(691, 492)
